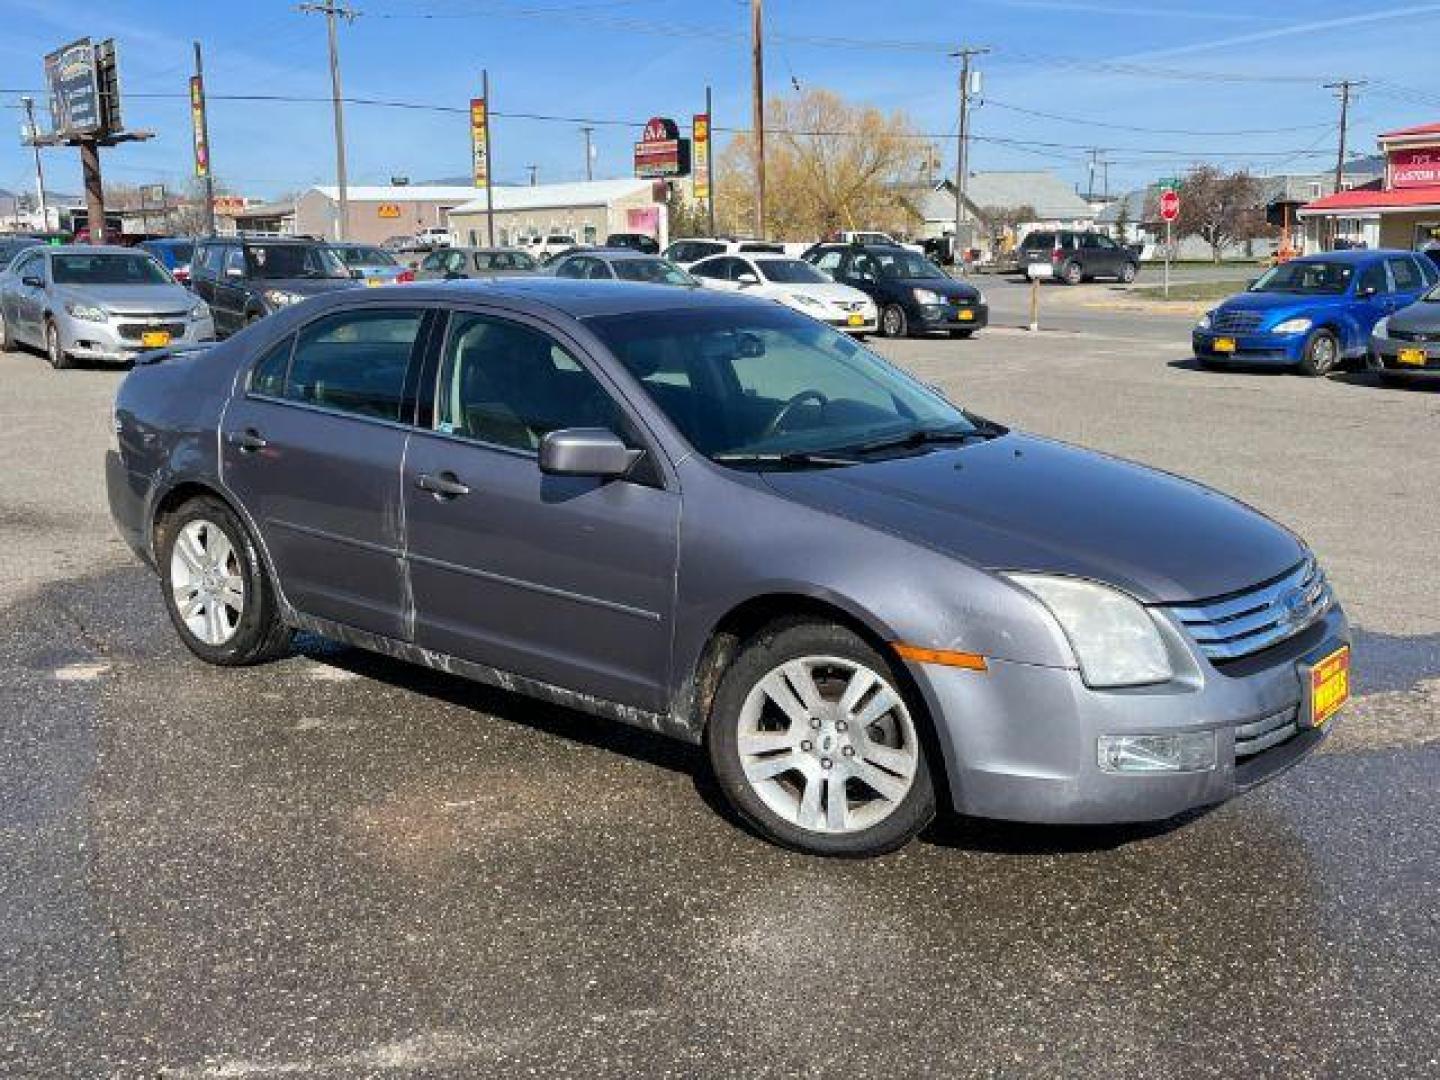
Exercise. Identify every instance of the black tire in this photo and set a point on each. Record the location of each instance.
(260, 634)
(1392, 379)
(1322, 354)
(761, 655)
(894, 323)
(1128, 273)
(59, 359)
(1072, 273)
(7, 338)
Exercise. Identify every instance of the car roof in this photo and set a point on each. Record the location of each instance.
(1353, 255)
(89, 249)
(576, 297)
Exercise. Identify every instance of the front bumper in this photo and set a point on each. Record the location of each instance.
(1386, 353)
(1020, 741)
(1253, 348)
(119, 339)
(964, 315)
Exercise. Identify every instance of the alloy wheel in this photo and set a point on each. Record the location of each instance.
(828, 744)
(207, 582)
(1324, 353)
(893, 321)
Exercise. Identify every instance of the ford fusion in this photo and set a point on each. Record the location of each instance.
(720, 519)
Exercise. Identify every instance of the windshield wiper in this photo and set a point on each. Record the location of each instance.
(928, 436)
(791, 459)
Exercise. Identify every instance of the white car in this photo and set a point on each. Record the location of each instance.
(791, 282)
(553, 244)
(434, 237)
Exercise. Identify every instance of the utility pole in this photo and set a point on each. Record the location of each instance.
(205, 140)
(31, 131)
(757, 57)
(710, 156)
(533, 169)
(1345, 87)
(962, 150)
(330, 9)
(589, 154)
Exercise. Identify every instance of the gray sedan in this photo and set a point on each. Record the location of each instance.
(1407, 344)
(452, 263)
(96, 303)
(616, 264)
(716, 518)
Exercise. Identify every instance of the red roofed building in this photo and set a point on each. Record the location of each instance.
(1400, 211)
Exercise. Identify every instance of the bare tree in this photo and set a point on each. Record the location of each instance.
(828, 165)
(1221, 208)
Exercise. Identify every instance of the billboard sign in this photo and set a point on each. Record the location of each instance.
(661, 154)
(74, 85)
(480, 141)
(1414, 168)
(701, 131)
(198, 126)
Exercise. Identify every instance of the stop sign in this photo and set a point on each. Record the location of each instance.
(1170, 205)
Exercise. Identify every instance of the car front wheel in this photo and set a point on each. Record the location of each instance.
(1073, 273)
(893, 321)
(815, 743)
(54, 350)
(1322, 354)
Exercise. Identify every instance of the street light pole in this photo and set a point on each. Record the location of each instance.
(589, 154)
(330, 9)
(757, 58)
(962, 150)
(32, 132)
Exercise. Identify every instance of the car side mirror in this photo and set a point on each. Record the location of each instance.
(586, 452)
(748, 279)
(33, 281)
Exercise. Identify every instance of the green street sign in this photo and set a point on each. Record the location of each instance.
(1169, 183)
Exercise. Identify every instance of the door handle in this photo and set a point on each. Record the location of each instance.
(445, 486)
(248, 441)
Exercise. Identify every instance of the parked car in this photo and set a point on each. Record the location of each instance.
(1312, 313)
(634, 241)
(173, 254)
(553, 244)
(685, 253)
(711, 517)
(1072, 257)
(1407, 344)
(371, 264)
(96, 303)
(913, 294)
(243, 279)
(602, 264)
(861, 237)
(794, 283)
(434, 237)
(468, 262)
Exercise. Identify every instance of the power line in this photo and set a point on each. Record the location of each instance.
(1006, 106)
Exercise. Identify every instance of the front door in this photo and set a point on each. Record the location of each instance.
(567, 580)
(313, 449)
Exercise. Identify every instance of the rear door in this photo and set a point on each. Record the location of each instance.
(566, 580)
(313, 446)
(1407, 282)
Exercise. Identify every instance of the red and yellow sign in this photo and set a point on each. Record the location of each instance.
(1329, 686)
(480, 141)
(388, 210)
(197, 122)
(700, 155)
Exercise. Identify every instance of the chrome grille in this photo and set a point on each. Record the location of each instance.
(1260, 735)
(1415, 335)
(135, 331)
(1235, 322)
(1234, 626)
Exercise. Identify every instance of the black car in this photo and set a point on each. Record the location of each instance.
(246, 278)
(1072, 257)
(913, 294)
(634, 241)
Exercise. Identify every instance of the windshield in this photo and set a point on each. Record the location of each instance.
(751, 382)
(790, 272)
(365, 256)
(655, 271)
(9, 249)
(274, 262)
(906, 264)
(1325, 278)
(107, 269)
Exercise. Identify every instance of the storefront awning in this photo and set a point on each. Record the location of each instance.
(1351, 203)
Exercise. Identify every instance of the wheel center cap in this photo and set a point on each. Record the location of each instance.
(827, 742)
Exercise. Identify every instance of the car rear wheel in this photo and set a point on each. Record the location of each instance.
(816, 745)
(1322, 354)
(1072, 273)
(1127, 273)
(216, 590)
(894, 322)
(54, 351)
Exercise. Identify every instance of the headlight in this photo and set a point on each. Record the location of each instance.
(1206, 321)
(1293, 326)
(1382, 328)
(281, 297)
(926, 296)
(1114, 638)
(88, 312)
(200, 311)
(806, 301)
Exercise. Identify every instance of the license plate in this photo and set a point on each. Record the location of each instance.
(155, 339)
(965, 315)
(856, 319)
(374, 281)
(1329, 686)
(1412, 357)
(1040, 270)
(1224, 344)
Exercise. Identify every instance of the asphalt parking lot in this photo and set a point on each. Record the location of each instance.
(337, 865)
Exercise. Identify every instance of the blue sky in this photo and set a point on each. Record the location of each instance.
(1249, 77)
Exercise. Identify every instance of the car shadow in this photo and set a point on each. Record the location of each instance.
(990, 837)
(1191, 363)
(1370, 377)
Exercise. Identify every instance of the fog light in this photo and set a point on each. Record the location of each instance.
(1192, 751)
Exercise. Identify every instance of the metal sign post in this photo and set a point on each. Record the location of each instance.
(1169, 242)
(1169, 210)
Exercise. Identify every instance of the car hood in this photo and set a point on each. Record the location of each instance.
(1019, 502)
(1421, 316)
(130, 299)
(306, 286)
(823, 291)
(945, 287)
(1281, 304)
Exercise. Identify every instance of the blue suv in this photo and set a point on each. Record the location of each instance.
(1313, 313)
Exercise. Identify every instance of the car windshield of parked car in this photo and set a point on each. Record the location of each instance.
(1320, 278)
(365, 256)
(756, 387)
(790, 272)
(107, 269)
(274, 262)
(653, 271)
(905, 265)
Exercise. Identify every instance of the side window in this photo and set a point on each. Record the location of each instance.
(863, 267)
(598, 270)
(1406, 275)
(510, 385)
(234, 261)
(268, 376)
(742, 267)
(355, 361)
(455, 262)
(713, 269)
(432, 261)
(1089, 241)
(829, 262)
(1104, 242)
(1373, 279)
(570, 268)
